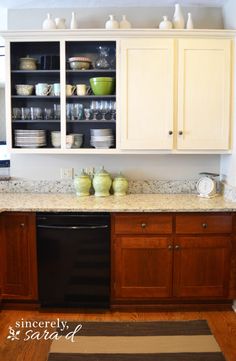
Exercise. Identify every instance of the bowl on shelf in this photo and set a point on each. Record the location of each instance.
(56, 139)
(69, 141)
(24, 89)
(28, 63)
(100, 131)
(78, 140)
(79, 63)
(102, 85)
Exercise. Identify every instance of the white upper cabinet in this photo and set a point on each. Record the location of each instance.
(147, 82)
(204, 94)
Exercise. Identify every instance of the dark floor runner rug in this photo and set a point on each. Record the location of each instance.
(138, 341)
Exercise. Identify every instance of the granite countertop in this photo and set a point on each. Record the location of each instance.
(130, 203)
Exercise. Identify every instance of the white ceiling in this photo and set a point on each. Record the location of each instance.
(19, 4)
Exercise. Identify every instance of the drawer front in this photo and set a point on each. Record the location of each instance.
(142, 224)
(203, 223)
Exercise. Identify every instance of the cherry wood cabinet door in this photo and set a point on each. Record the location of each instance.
(201, 266)
(18, 256)
(142, 267)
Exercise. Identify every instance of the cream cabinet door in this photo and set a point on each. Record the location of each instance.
(204, 78)
(147, 78)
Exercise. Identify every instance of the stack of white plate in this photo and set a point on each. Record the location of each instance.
(102, 138)
(28, 138)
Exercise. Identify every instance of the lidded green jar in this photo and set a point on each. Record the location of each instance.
(102, 183)
(82, 183)
(120, 185)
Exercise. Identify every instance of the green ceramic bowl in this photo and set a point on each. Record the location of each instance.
(102, 85)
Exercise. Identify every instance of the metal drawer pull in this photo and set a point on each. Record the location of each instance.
(143, 225)
(177, 247)
(204, 225)
(170, 247)
(22, 225)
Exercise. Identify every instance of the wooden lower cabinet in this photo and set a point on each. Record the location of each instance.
(201, 266)
(18, 256)
(143, 267)
(190, 264)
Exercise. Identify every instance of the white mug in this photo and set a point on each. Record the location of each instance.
(43, 89)
(56, 89)
(70, 89)
(82, 89)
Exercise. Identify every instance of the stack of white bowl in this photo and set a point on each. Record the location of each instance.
(29, 138)
(102, 138)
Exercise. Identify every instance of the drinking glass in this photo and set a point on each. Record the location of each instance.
(104, 108)
(25, 113)
(87, 113)
(16, 113)
(112, 108)
(48, 113)
(95, 108)
(57, 111)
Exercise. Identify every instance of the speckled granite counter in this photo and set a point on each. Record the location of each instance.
(129, 203)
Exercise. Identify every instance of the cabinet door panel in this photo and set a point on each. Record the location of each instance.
(204, 94)
(142, 267)
(18, 256)
(201, 266)
(147, 93)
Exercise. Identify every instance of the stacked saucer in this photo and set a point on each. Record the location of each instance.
(101, 138)
(27, 138)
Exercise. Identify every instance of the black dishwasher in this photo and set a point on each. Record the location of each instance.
(74, 259)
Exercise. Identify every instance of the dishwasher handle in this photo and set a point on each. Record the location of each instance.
(72, 227)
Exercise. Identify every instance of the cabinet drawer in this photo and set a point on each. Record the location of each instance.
(203, 223)
(142, 223)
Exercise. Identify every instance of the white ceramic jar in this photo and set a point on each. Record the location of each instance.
(60, 23)
(49, 23)
(112, 23)
(124, 23)
(178, 19)
(165, 24)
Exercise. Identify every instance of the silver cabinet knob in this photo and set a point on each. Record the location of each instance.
(177, 247)
(170, 247)
(143, 225)
(22, 225)
(204, 225)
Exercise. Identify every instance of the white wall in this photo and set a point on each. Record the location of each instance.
(162, 167)
(140, 17)
(135, 167)
(228, 163)
(229, 14)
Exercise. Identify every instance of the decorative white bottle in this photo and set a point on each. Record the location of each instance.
(112, 23)
(190, 24)
(178, 19)
(60, 23)
(74, 22)
(124, 23)
(165, 24)
(49, 23)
